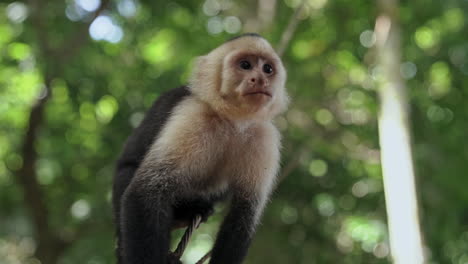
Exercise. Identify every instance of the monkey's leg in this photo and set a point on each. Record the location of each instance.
(236, 231)
(146, 222)
(122, 179)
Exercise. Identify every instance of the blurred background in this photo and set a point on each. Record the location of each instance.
(76, 77)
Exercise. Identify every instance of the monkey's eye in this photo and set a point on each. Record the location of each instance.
(267, 68)
(245, 65)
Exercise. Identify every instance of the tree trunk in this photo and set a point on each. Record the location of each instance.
(395, 142)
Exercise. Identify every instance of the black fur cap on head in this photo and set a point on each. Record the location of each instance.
(245, 35)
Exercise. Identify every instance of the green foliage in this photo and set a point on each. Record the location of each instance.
(329, 208)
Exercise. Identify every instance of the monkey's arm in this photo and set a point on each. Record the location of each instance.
(250, 188)
(147, 215)
(136, 147)
(237, 230)
(141, 139)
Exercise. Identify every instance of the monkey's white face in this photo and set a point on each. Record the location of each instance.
(249, 81)
(243, 78)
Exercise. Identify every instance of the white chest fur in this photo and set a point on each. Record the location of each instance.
(200, 145)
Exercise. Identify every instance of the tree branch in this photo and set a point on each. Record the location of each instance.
(69, 49)
(27, 178)
(293, 163)
(39, 25)
(290, 29)
(266, 13)
(50, 246)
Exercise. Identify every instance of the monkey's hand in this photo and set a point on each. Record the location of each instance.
(173, 259)
(184, 213)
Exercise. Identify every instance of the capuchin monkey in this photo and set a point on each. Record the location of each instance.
(197, 144)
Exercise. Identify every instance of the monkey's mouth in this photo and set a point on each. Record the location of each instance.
(259, 93)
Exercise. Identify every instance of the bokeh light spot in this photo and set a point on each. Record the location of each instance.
(211, 7)
(324, 116)
(17, 12)
(408, 70)
(19, 51)
(318, 168)
(317, 4)
(360, 189)
(426, 37)
(454, 19)
(440, 79)
(325, 204)
(6, 32)
(106, 108)
(74, 12)
(103, 28)
(88, 5)
(232, 24)
(214, 25)
(436, 113)
(80, 209)
(381, 250)
(14, 161)
(160, 49)
(127, 8)
(301, 49)
(47, 171)
(289, 215)
(367, 38)
(293, 3)
(136, 118)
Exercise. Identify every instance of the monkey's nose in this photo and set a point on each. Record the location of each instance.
(256, 81)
